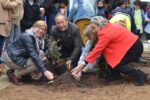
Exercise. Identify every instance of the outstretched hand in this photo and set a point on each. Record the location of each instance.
(78, 76)
(76, 72)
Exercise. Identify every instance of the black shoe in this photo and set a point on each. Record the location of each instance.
(113, 78)
(141, 60)
(141, 79)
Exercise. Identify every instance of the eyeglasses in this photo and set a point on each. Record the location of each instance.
(42, 28)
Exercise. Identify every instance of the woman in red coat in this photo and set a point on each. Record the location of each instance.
(118, 46)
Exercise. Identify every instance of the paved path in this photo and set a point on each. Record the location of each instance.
(146, 47)
(4, 82)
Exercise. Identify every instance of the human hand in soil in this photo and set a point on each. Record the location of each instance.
(77, 69)
(48, 75)
(78, 76)
(68, 63)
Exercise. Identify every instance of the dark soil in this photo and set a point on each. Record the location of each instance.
(65, 87)
(64, 82)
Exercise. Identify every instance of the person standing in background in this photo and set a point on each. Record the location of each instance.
(102, 10)
(138, 15)
(50, 12)
(147, 27)
(5, 21)
(31, 14)
(81, 13)
(16, 16)
(63, 7)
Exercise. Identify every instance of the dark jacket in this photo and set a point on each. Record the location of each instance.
(64, 1)
(49, 5)
(102, 11)
(31, 15)
(23, 48)
(70, 40)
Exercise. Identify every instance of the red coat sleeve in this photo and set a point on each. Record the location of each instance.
(102, 43)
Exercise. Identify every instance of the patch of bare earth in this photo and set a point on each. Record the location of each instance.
(90, 88)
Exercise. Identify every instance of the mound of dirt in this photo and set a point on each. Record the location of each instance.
(63, 82)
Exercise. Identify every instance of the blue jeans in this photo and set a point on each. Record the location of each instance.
(2, 39)
(14, 33)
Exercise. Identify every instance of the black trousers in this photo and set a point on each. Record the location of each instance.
(132, 55)
(147, 36)
(2, 39)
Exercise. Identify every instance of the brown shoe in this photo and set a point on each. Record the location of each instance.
(13, 78)
(3, 68)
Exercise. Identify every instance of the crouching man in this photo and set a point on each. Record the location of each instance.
(23, 55)
(68, 40)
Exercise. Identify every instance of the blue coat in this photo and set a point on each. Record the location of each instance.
(23, 48)
(82, 9)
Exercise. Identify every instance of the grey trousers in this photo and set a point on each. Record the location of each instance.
(19, 70)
